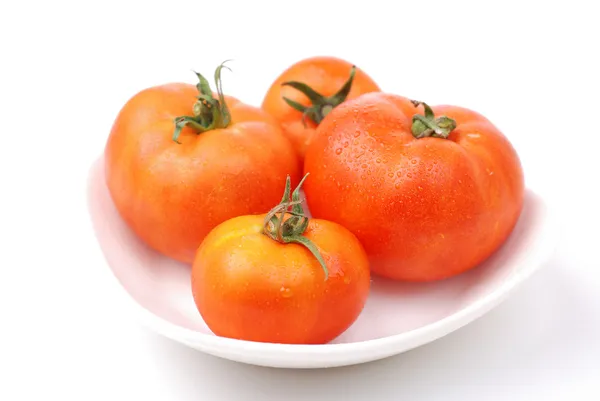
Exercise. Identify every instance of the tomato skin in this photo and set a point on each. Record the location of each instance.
(171, 195)
(247, 286)
(326, 75)
(424, 209)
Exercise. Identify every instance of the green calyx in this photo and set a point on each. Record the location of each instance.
(321, 105)
(208, 113)
(290, 230)
(429, 125)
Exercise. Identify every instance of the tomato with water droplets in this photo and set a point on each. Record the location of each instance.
(280, 277)
(456, 195)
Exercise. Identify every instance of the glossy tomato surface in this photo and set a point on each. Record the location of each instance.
(171, 194)
(424, 209)
(248, 286)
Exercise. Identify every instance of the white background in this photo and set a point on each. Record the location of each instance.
(66, 69)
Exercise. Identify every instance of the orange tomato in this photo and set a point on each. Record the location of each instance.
(307, 91)
(280, 278)
(181, 159)
(430, 193)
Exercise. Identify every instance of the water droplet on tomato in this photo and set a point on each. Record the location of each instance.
(356, 134)
(399, 173)
(285, 292)
(347, 280)
(391, 174)
(364, 165)
(346, 144)
(413, 161)
(338, 151)
(397, 186)
(409, 175)
(378, 160)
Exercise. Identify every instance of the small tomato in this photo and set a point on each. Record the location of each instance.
(280, 277)
(307, 91)
(180, 160)
(429, 192)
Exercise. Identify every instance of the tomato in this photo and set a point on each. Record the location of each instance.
(280, 278)
(429, 192)
(180, 160)
(307, 91)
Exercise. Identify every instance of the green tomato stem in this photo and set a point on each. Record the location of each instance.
(290, 230)
(429, 125)
(208, 113)
(321, 105)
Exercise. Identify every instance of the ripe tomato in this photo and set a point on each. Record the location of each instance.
(307, 91)
(280, 278)
(427, 197)
(179, 162)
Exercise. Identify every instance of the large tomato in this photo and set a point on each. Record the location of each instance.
(299, 282)
(180, 160)
(430, 192)
(307, 91)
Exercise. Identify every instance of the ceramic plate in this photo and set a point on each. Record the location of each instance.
(396, 318)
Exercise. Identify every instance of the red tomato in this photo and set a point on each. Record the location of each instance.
(430, 193)
(299, 282)
(180, 160)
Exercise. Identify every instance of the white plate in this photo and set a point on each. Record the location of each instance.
(396, 318)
